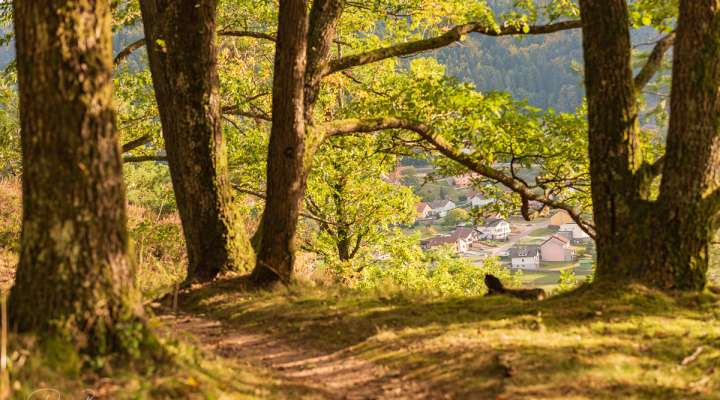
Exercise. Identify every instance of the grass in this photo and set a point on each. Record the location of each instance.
(544, 232)
(612, 343)
(51, 370)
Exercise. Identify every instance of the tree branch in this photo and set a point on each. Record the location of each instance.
(654, 61)
(449, 37)
(350, 126)
(134, 144)
(136, 159)
(256, 35)
(129, 49)
(234, 110)
(125, 53)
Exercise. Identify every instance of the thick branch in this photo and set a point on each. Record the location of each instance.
(324, 17)
(346, 127)
(134, 144)
(654, 61)
(453, 35)
(135, 159)
(127, 51)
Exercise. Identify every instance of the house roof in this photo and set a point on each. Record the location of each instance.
(440, 203)
(560, 238)
(493, 222)
(421, 206)
(438, 240)
(565, 234)
(525, 251)
(569, 226)
(463, 233)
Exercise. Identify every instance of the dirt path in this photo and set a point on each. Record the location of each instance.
(318, 375)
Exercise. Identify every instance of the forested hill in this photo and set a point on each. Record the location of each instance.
(539, 69)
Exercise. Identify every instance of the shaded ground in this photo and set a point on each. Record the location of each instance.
(299, 370)
(627, 343)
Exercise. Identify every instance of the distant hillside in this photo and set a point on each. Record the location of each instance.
(538, 69)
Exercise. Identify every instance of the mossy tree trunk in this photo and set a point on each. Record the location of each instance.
(613, 132)
(661, 242)
(286, 173)
(73, 279)
(301, 58)
(183, 60)
(690, 188)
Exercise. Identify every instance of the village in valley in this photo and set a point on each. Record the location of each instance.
(453, 214)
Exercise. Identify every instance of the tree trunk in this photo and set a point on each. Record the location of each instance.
(286, 175)
(664, 242)
(73, 280)
(692, 161)
(613, 149)
(324, 17)
(182, 53)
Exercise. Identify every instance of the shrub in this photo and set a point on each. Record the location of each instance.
(435, 273)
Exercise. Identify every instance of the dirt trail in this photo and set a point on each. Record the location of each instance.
(318, 374)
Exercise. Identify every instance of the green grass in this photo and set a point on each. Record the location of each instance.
(589, 344)
(544, 232)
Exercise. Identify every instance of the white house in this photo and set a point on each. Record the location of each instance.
(525, 257)
(574, 229)
(423, 210)
(495, 229)
(461, 240)
(441, 207)
(477, 201)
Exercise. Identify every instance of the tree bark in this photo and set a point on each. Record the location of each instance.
(664, 242)
(286, 172)
(73, 280)
(613, 137)
(692, 160)
(183, 63)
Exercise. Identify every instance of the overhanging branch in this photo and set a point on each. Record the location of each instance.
(132, 47)
(350, 126)
(453, 35)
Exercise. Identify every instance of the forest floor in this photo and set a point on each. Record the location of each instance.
(588, 344)
(323, 343)
(299, 370)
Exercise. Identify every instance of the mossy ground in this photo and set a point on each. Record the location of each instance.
(587, 344)
(51, 369)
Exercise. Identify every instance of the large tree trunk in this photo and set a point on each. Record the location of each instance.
(664, 242)
(182, 53)
(613, 149)
(286, 174)
(317, 37)
(73, 279)
(692, 161)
